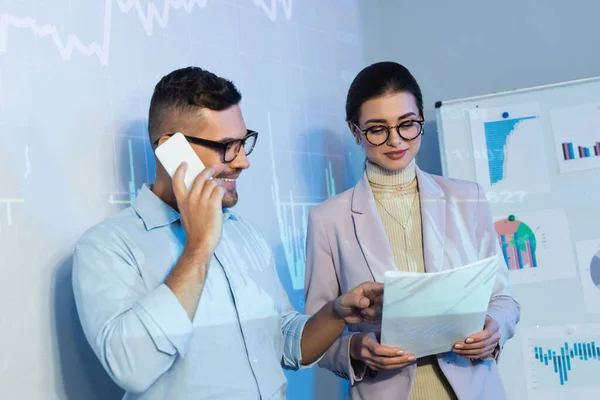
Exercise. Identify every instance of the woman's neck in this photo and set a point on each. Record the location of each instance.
(383, 177)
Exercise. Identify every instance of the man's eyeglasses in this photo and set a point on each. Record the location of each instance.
(229, 149)
(379, 134)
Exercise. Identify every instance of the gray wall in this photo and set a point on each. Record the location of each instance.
(470, 47)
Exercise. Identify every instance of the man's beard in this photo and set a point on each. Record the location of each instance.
(230, 199)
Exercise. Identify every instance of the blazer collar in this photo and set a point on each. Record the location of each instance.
(362, 197)
(371, 233)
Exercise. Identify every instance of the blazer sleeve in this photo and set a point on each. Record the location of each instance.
(502, 308)
(320, 287)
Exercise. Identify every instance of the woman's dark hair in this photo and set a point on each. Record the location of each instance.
(377, 80)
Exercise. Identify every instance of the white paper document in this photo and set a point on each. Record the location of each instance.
(426, 313)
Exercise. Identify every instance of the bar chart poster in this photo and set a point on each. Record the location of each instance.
(509, 150)
(536, 246)
(588, 257)
(562, 362)
(577, 137)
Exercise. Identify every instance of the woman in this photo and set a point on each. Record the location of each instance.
(398, 216)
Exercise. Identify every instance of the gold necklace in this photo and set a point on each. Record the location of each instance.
(410, 210)
(408, 267)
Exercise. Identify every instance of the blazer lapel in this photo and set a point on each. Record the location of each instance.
(370, 232)
(433, 221)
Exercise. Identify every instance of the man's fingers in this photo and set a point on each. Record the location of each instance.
(206, 175)
(354, 300)
(179, 188)
(372, 312)
(372, 290)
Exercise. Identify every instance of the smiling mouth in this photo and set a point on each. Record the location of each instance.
(397, 151)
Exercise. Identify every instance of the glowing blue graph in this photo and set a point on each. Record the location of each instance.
(576, 363)
(130, 165)
(149, 15)
(497, 135)
(9, 203)
(292, 217)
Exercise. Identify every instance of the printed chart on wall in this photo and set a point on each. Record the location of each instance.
(588, 256)
(536, 245)
(562, 362)
(503, 141)
(577, 137)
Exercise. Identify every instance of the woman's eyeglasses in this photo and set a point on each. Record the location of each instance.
(379, 134)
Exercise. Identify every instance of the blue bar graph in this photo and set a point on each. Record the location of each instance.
(519, 257)
(571, 151)
(561, 363)
(533, 259)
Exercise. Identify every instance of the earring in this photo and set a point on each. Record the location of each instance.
(357, 139)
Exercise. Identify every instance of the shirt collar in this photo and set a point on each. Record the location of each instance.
(155, 213)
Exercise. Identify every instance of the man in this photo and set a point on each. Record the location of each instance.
(178, 296)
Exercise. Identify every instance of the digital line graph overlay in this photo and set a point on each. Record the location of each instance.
(131, 193)
(131, 166)
(150, 16)
(8, 204)
(562, 361)
(292, 217)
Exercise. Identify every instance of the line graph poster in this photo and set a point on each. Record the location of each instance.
(510, 143)
(588, 257)
(577, 137)
(562, 362)
(536, 245)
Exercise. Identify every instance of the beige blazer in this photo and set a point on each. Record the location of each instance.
(347, 245)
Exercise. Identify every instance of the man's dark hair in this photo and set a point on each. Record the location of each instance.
(188, 90)
(377, 80)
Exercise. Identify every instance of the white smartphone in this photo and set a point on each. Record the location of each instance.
(175, 151)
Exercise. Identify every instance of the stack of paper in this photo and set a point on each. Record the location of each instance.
(426, 313)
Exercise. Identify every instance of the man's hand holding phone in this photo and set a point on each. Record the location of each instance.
(200, 209)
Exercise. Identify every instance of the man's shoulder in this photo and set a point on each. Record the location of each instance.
(113, 229)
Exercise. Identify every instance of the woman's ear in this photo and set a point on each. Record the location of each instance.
(354, 131)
